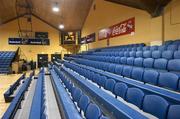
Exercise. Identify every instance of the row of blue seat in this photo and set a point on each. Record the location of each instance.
(16, 102)
(168, 54)
(120, 47)
(12, 88)
(116, 109)
(91, 111)
(163, 79)
(172, 42)
(145, 48)
(136, 96)
(160, 64)
(170, 96)
(37, 110)
(6, 58)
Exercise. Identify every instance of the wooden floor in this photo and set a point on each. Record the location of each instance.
(5, 82)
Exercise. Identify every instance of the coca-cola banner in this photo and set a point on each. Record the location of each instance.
(122, 28)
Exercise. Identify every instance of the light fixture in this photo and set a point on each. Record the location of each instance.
(61, 26)
(55, 7)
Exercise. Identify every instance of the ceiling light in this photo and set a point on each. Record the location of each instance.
(61, 26)
(55, 7)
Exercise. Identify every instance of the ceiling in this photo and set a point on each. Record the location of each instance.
(153, 7)
(72, 12)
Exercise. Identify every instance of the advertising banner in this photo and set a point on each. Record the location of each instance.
(122, 28)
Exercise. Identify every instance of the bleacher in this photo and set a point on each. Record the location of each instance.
(139, 71)
(6, 58)
(122, 82)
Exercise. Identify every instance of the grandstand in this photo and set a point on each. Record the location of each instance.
(90, 59)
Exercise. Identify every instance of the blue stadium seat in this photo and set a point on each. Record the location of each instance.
(153, 48)
(146, 48)
(172, 47)
(77, 93)
(148, 63)
(139, 54)
(120, 90)
(162, 48)
(118, 60)
(135, 96)
(110, 84)
(107, 59)
(84, 101)
(130, 61)
(121, 54)
(132, 54)
(95, 77)
(137, 73)
(156, 54)
(176, 42)
(134, 49)
(116, 54)
(112, 68)
(147, 54)
(106, 66)
(177, 55)
(150, 76)
(93, 112)
(139, 48)
(123, 60)
(167, 54)
(138, 62)
(174, 66)
(102, 81)
(127, 71)
(98, 78)
(179, 47)
(112, 59)
(160, 64)
(119, 69)
(156, 106)
(169, 80)
(174, 112)
(126, 54)
(168, 42)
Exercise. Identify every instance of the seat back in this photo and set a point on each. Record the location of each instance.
(137, 73)
(174, 112)
(102, 81)
(155, 105)
(169, 80)
(77, 93)
(135, 96)
(127, 71)
(119, 69)
(110, 85)
(120, 89)
(167, 54)
(138, 62)
(93, 112)
(84, 101)
(148, 63)
(151, 76)
(156, 54)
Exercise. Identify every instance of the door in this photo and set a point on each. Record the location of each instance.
(55, 56)
(42, 60)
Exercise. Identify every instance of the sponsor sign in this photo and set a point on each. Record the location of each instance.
(122, 28)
